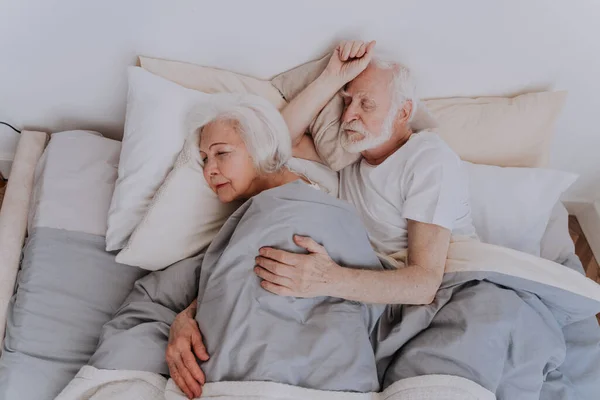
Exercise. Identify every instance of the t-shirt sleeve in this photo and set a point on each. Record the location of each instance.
(433, 186)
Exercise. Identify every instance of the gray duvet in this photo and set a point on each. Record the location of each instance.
(251, 334)
(517, 338)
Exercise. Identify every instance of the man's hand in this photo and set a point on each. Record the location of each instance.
(349, 59)
(298, 275)
(184, 337)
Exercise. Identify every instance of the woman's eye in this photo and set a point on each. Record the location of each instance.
(221, 153)
(204, 160)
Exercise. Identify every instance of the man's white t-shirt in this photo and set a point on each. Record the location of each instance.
(424, 181)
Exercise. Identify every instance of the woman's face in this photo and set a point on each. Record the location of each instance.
(228, 166)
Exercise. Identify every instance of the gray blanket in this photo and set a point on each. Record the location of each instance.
(250, 333)
(515, 337)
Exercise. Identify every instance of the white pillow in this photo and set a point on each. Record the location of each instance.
(185, 214)
(183, 218)
(511, 207)
(155, 130)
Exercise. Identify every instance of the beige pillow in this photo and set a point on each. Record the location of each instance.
(326, 126)
(211, 80)
(508, 132)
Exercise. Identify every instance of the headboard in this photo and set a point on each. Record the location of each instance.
(63, 61)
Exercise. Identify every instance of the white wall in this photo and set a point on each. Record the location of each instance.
(62, 61)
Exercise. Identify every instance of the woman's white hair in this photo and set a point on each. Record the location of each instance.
(403, 86)
(258, 122)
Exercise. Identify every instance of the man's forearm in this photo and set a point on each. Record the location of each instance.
(302, 109)
(408, 285)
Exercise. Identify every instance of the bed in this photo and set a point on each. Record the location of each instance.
(67, 211)
(100, 214)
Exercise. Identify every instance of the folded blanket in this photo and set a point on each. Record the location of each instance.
(496, 326)
(95, 384)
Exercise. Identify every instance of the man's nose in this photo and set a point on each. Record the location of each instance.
(350, 114)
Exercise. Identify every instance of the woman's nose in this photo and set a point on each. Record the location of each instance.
(210, 168)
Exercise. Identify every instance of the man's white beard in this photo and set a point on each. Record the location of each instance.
(369, 140)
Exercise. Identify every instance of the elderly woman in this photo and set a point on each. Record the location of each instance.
(250, 333)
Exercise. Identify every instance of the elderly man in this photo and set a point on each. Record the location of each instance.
(409, 188)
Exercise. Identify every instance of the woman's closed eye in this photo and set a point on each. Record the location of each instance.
(218, 154)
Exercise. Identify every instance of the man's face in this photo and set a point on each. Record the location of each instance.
(367, 121)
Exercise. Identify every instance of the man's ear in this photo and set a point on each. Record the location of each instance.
(407, 110)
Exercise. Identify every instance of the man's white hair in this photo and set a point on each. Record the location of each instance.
(403, 87)
(258, 122)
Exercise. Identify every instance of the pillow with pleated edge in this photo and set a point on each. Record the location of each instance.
(504, 131)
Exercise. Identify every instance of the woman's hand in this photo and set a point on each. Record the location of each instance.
(298, 275)
(348, 60)
(184, 337)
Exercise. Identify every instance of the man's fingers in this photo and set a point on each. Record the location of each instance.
(340, 49)
(362, 50)
(179, 381)
(191, 383)
(199, 348)
(346, 51)
(271, 277)
(192, 366)
(275, 267)
(276, 289)
(355, 49)
(370, 46)
(283, 257)
(309, 244)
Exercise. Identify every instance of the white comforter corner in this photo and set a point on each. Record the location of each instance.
(102, 384)
(95, 384)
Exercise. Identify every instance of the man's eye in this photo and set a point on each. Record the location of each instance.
(366, 106)
(221, 153)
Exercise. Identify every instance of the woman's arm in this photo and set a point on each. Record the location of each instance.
(185, 336)
(347, 61)
(316, 274)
